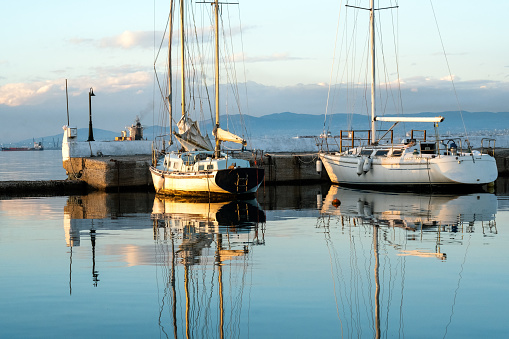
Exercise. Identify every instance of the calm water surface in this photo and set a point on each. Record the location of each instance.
(31, 165)
(293, 264)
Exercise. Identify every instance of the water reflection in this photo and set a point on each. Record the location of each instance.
(210, 241)
(201, 250)
(347, 263)
(412, 211)
(386, 233)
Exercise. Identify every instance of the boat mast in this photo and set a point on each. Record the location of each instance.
(372, 36)
(216, 13)
(182, 65)
(170, 89)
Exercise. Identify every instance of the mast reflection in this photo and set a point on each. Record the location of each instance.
(214, 245)
(385, 229)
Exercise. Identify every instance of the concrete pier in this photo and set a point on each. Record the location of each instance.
(42, 188)
(502, 159)
(112, 172)
(121, 173)
(116, 173)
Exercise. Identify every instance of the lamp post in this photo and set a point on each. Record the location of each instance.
(90, 130)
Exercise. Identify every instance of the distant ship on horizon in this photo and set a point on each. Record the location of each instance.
(37, 147)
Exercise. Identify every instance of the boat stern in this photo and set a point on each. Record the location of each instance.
(240, 180)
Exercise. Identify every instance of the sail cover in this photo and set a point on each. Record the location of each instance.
(190, 136)
(223, 135)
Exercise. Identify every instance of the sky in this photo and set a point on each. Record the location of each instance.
(287, 48)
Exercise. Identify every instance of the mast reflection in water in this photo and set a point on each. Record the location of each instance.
(213, 248)
(373, 281)
(341, 263)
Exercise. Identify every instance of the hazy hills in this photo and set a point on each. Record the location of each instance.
(291, 125)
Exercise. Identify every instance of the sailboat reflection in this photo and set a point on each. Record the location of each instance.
(209, 243)
(385, 230)
(409, 210)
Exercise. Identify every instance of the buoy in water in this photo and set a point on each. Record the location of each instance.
(336, 203)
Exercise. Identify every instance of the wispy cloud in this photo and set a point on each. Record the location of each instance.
(268, 58)
(129, 39)
(35, 93)
(147, 39)
(125, 40)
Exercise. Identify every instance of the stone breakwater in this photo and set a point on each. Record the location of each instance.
(126, 173)
(132, 173)
(42, 187)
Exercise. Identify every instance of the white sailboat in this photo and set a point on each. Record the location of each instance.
(201, 168)
(415, 161)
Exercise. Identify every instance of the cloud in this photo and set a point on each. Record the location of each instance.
(38, 108)
(24, 93)
(129, 39)
(125, 40)
(35, 93)
(450, 78)
(269, 58)
(145, 39)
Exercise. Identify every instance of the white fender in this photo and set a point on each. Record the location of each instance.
(360, 162)
(367, 165)
(319, 166)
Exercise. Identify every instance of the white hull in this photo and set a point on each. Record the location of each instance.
(197, 173)
(465, 169)
(196, 183)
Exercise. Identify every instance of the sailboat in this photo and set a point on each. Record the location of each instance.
(200, 168)
(416, 160)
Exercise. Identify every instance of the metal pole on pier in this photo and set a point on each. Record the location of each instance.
(90, 130)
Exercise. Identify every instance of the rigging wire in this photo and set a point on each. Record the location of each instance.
(332, 67)
(449, 69)
(245, 75)
(230, 70)
(396, 53)
(162, 89)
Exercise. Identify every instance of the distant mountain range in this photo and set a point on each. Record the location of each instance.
(289, 124)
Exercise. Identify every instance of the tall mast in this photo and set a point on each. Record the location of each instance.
(216, 13)
(372, 35)
(182, 66)
(170, 89)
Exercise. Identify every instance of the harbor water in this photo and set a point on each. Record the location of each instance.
(297, 262)
(31, 165)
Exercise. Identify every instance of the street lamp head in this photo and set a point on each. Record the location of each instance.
(91, 92)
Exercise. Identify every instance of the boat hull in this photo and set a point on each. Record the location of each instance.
(237, 182)
(16, 149)
(441, 170)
